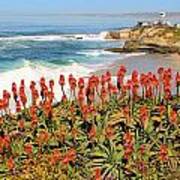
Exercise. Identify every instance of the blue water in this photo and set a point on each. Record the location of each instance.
(56, 40)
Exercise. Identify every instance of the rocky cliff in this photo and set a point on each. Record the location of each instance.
(155, 38)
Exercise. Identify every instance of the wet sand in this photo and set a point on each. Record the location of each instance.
(145, 63)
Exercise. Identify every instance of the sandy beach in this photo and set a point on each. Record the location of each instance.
(145, 63)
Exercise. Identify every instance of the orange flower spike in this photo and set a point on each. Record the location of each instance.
(81, 83)
(143, 114)
(6, 98)
(51, 84)
(163, 152)
(64, 98)
(108, 76)
(162, 109)
(70, 156)
(28, 148)
(10, 163)
(21, 124)
(14, 91)
(55, 156)
(103, 80)
(42, 82)
(92, 132)
(84, 111)
(128, 137)
(178, 78)
(18, 107)
(6, 141)
(97, 175)
(104, 94)
(173, 117)
(43, 137)
(61, 80)
(1, 122)
(1, 104)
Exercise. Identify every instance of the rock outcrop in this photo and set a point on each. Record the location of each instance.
(156, 38)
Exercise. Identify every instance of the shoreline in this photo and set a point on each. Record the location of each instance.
(144, 63)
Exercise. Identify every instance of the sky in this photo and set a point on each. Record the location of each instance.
(8, 7)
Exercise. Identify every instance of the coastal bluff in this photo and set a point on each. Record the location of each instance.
(155, 38)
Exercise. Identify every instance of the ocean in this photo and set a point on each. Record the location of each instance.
(32, 46)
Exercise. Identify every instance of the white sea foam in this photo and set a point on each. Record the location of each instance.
(34, 72)
(95, 53)
(62, 37)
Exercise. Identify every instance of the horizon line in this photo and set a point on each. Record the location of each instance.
(88, 14)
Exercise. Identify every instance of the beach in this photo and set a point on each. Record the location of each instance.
(144, 63)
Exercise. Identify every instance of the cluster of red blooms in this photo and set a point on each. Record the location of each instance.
(56, 156)
(4, 143)
(149, 84)
(4, 102)
(102, 87)
(163, 152)
(128, 145)
(70, 156)
(143, 111)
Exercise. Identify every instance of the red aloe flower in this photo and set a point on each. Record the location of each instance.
(72, 84)
(55, 157)
(120, 76)
(10, 163)
(128, 145)
(4, 143)
(97, 173)
(143, 111)
(61, 80)
(113, 90)
(173, 117)
(64, 98)
(62, 83)
(47, 108)
(70, 156)
(22, 93)
(51, 84)
(103, 80)
(21, 124)
(1, 104)
(128, 137)
(163, 152)
(84, 111)
(81, 83)
(92, 132)
(160, 70)
(28, 148)
(81, 97)
(126, 112)
(178, 83)
(18, 107)
(43, 137)
(103, 94)
(6, 98)
(1, 122)
(14, 91)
